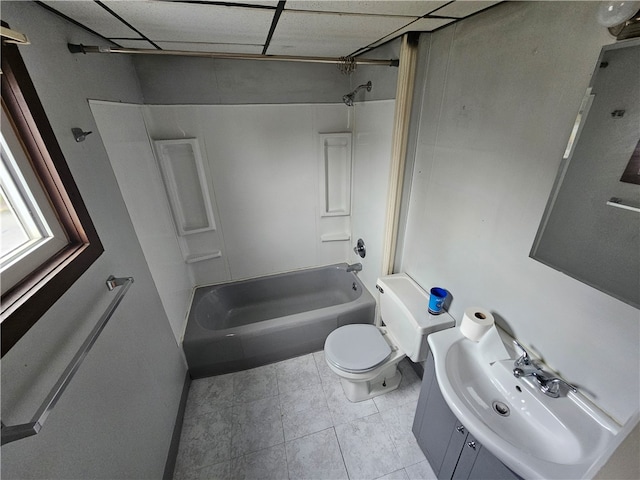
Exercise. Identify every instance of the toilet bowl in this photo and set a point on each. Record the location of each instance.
(366, 357)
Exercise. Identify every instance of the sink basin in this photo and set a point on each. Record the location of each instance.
(534, 435)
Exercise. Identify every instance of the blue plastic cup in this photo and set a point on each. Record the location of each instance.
(436, 300)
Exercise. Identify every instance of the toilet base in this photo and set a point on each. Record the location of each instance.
(388, 380)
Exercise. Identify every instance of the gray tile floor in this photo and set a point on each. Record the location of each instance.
(291, 420)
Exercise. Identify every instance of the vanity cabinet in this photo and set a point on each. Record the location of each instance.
(451, 450)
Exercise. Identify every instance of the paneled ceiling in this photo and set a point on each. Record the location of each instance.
(325, 28)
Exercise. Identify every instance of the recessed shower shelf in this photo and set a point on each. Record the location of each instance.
(335, 174)
(200, 257)
(183, 172)
(335, 237)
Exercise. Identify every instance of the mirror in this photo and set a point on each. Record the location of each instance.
(591, 226)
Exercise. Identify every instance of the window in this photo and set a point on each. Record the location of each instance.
(31, 233)
(48, 240)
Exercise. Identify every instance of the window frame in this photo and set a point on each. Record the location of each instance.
(34, 212)
(25, 303)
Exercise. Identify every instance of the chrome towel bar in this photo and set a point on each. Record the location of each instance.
(16, 432)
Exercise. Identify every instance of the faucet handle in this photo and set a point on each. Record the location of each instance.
(551, 387)
(519, 345)
(524, 358)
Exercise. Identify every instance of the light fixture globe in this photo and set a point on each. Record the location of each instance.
(614, 13)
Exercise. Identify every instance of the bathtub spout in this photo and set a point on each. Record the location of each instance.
(356, 267)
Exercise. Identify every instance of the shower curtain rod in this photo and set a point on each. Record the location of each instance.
(75, 48)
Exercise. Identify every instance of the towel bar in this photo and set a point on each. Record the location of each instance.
(11, 433)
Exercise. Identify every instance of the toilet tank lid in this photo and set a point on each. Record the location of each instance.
(416, 300)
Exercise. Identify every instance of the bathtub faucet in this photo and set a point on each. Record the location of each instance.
(356, 267)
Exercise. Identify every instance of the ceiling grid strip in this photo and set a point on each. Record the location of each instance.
(76, 23)
(223, 4)
(115, 15)
(274, 24)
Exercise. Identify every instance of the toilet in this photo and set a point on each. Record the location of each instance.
(366, 357)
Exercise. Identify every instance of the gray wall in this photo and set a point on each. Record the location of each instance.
(169, 80)
(116, 418)
(499, 101)
(384, 79)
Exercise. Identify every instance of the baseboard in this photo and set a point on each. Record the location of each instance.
(177, 430)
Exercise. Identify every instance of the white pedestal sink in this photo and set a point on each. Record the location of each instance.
(534, 435)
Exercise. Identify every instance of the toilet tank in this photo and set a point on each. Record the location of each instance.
(403, 309)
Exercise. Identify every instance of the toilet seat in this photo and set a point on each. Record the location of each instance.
(356, 348)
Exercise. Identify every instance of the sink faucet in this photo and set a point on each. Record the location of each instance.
(355, 267)
(547, 383)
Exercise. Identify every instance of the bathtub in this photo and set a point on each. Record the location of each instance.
(245, 324)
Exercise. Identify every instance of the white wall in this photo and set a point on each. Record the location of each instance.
(116, 418)
(501, 95)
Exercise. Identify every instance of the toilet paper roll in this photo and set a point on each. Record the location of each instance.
(475, 323)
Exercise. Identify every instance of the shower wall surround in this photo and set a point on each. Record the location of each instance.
(263, 172)
(124, 135)
(372, 163)
(263, 168)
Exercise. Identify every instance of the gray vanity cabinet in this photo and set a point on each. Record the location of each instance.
(452, 452)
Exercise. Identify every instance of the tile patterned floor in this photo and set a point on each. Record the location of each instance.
(291, 420)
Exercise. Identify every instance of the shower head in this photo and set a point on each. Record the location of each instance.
(348, 98)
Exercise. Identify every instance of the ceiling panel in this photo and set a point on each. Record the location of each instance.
(371, 7)
(332, 28)
(325, 34)
(93, 16)
(187, 22)
(211, 47)
(462, 9)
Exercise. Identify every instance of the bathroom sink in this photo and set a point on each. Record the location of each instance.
(534, 435)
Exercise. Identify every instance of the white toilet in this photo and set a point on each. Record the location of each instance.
(366, 357)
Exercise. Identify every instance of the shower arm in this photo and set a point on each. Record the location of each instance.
(360, 87)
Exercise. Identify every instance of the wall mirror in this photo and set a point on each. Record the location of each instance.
(591, 226)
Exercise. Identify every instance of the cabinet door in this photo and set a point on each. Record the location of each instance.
(449, 448)
(452, 456)
(468, 455)
(486, 465)
(428, 378)
(437, 426)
